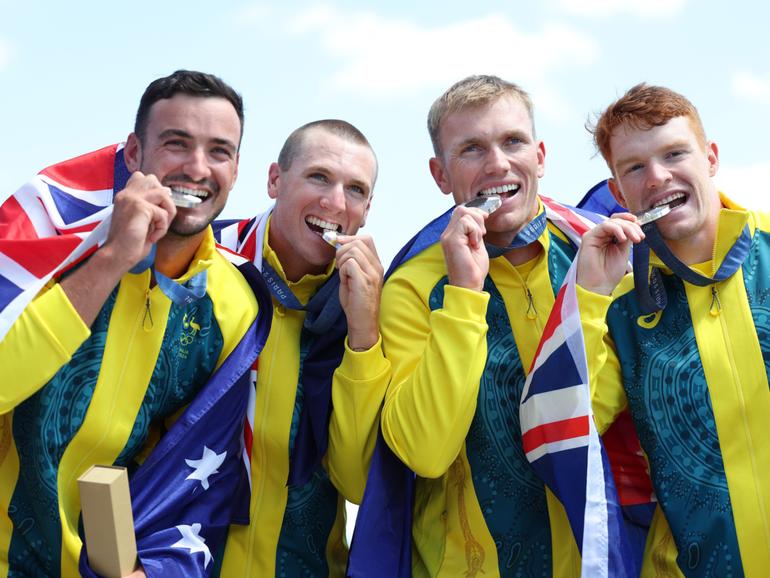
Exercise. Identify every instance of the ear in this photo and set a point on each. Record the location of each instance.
(237, 163)
(273, 177)
(132, 153)
(436, 166)
(712, 153)
(540, 159)
(615, 190)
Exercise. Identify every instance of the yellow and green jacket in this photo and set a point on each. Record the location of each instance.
(695, 377)
(451, 414)
(74, 396)
(300, 531)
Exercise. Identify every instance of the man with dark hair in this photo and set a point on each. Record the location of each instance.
(684, 341)
(191, 83)
(113, 347)
(322, 374)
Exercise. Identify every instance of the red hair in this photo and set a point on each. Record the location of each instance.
(643, 107)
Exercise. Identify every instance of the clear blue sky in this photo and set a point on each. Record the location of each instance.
(72, 73)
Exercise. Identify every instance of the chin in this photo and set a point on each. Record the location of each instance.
(187, 229)
(506, 224)
(322, 257)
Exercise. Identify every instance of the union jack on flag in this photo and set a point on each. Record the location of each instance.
(53, 222)
(194, 484)
(558, 434)
(561, 441)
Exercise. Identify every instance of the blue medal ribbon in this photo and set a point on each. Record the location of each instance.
(179, 293)
(431, 233)
(183, 293)
(325, 320)
(529, 234)
(650, 293)
(322, 310)
(384, 526)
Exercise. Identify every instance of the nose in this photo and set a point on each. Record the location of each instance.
(657, 175)
(496, 161)
(196, 164)
(334, 199)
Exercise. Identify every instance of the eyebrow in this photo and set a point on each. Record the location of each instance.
(521, 135)
(321, 169)
(467, 141)
(621, 162)
(677, 144)
(184, 134)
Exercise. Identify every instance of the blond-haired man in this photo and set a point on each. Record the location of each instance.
(461, 320)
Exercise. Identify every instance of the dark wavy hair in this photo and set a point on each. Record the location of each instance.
(190, 82)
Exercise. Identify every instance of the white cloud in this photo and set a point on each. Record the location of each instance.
(254, 15)
(746, 184)
(751, 86)
(382, 56)
(603, 8)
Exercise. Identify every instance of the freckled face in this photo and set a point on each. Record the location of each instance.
(668, 164)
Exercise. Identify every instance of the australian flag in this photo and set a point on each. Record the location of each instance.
(562, 444)
(196, 480)
(194, 483)
(53, 222)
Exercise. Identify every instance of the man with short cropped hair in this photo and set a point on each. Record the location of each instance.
(322, 374)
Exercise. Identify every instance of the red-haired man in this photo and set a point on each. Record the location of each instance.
(685, 350)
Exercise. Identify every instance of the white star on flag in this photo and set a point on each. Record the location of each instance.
(193, 542)
(206, 466)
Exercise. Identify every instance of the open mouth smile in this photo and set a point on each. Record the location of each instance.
(502, 190)
(319, 226)
(187, 198)
(673, 201)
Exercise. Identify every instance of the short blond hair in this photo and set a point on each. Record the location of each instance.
(470, 92)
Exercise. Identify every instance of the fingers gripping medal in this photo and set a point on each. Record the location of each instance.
(648, 216)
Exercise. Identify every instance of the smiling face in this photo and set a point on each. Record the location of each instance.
(669, 164)
(491, 149)
(191, 146)
(328, 186)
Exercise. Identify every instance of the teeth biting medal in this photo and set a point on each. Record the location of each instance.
(184, 200)
(488, 204)
(331, 238)
(653, 214)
